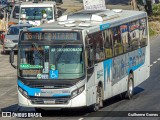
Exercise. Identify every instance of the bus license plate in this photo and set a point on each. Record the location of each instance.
(49, 101)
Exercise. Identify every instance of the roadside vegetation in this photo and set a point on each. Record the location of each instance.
(154, 21)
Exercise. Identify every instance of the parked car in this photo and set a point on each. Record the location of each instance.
(12, 36)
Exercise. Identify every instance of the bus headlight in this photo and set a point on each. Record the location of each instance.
(23, 92)
(77, 91)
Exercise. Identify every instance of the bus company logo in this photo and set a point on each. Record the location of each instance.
(99, 74)
(20, 115)
(37, 94)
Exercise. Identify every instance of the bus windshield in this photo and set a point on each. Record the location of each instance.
(51, 62)
(35, 13)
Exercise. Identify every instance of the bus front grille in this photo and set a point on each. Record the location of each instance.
(55, 86)
(49, 101)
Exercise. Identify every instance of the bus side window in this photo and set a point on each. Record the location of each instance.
(143, 32)
(134, 33)
(90, 55)
(107, 38)
(125, 36)
(118, 47)
(99, 46)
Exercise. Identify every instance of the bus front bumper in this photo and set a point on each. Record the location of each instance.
(78, 101)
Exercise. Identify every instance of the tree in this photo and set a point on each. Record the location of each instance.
(148, 6)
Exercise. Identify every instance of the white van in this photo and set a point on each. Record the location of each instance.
(34, 11)
(14, 16)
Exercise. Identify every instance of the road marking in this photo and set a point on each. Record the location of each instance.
(155, 62)
(158, 59)
(151, 65)
(80, 118)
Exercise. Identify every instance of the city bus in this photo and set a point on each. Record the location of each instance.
(82, 59)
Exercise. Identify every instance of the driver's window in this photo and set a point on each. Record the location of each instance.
(89, 56)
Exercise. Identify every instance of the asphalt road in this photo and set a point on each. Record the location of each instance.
(146, 96)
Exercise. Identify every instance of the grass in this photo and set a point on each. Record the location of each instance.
(152, 32)
(154, 21)
(156, 10)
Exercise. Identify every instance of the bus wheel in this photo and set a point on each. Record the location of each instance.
(130, 87)
(99, 100)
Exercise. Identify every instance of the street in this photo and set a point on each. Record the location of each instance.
(146, 96)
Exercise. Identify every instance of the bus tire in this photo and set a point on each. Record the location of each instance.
(99, 100)
(130, 87)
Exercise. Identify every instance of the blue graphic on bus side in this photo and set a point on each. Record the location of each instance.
(107, 70)
(35, 29)
(53, 74)
(104, 26)
(117, 68)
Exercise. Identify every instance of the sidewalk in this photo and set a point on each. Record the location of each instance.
(6, 70)
(71, 6)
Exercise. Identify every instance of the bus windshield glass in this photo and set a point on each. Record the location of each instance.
(51, 62)
(35, 13)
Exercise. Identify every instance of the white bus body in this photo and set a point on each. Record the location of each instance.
(116, 48)
(34, 11)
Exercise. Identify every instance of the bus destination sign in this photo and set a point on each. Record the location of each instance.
(50, 36)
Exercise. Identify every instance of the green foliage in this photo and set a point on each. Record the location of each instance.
(156, 9)
(152, 32)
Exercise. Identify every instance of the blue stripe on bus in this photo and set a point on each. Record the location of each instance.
(134, 67)
(104, 26)
(30, 91)
(62, 95)
(35, 29)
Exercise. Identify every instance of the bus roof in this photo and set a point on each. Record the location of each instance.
(38, 4)
(92, 21)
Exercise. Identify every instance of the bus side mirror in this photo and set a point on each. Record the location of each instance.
(11, 59)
